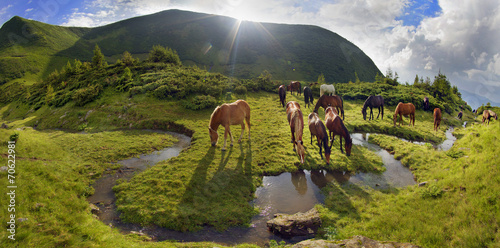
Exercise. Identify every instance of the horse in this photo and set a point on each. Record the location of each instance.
(404, 109)
(308, 96)
(229, 114)
(318, 129)
(373, 102)
(488, 114)
(296, 122)
(460, 114)
(294, 85)
(437, 118)
(333, 101)
(336, 126)
(282, 94)
(327, 89)
(426, 104)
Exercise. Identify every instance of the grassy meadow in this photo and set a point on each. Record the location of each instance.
(206, 186)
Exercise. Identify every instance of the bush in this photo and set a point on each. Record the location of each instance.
(201, 102)
(240, 90)
(165, 55)
(165, 91)
(86, 95)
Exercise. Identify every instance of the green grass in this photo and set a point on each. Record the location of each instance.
(205, 186)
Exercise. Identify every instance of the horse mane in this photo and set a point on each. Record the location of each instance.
(365, 105)
(297, 114)
(216, 111)
(348, 139)
(325, 138)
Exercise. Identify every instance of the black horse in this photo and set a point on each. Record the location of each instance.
(308, 96)
(426, 104)
(373, 102)
(282, 94)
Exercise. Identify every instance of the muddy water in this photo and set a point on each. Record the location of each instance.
(286, 193)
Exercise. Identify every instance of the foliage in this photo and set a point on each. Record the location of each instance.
(201, 102)
(98, 59)
(164, 55)
(240, 90)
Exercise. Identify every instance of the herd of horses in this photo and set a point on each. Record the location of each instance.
(238, 112)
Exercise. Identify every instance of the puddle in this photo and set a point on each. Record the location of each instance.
(286, 193)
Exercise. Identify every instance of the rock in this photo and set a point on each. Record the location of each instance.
(88, 113)
(4, 168)
(422, 184)
(354, 242)
(299, 224)
(94, 209)
(4, 126)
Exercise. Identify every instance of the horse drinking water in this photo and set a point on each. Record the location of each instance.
(229, 114)
(404, 109)
(373, 102)
(296, 122)
(318, 129)
(336, 127)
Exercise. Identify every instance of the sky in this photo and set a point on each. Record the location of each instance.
(459, 38)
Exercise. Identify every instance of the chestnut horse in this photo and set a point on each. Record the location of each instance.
(282, 94)
(336, 127)
(308, 96)
(404, 109)
(373, 102)
(294, 85)
(333, 101)
(229, 114)
(488, 114)
(437, 118)
(318, 129)
(296, 122)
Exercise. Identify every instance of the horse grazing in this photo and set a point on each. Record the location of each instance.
(294, 85)
(333, 101)
(460, 114)
(426, 104)
(404, 109)
(318, 129)
(488, 114)
(282, 94)
(308, 96)
(229, 114)
(296, 121)
(336, 126)
(437, 118)
(373, 102)
(326, 89)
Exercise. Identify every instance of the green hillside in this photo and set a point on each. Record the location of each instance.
(33, 50)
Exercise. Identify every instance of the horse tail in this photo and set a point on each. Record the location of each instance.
(342, 103)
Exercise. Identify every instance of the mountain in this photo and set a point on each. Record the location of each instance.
(219, 44)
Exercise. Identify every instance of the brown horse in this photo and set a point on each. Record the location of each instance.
(437, 118)
(488, 114)
(404, 109)
(282, 94)
(229, 114)
(294, 85)
(308, 96)
(296, 122)
(333, 101)
(336, 127)
(318, 129)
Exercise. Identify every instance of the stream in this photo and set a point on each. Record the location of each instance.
(287, 193)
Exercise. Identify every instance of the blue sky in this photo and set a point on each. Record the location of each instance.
(411, 37)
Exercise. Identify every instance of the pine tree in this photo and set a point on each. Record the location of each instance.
(98, 59)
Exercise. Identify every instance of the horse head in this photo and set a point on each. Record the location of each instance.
(363, 111)
(348, 146)
(214, 136)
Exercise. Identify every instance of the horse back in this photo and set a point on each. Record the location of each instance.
(236, 112)
(437, 114)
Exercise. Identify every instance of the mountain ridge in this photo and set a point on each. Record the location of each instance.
(242, 49)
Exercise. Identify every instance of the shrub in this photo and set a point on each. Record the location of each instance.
(165, 55)
(240, 90)
(86, 95)
(201, 102)
(165, 91)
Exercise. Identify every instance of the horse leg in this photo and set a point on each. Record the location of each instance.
(242, 130)
(342, 151)
(226, 131)
(378, 112)
(319, 144)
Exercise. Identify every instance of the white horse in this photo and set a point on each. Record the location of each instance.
(326, 88)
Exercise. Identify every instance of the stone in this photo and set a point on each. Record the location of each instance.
(94, 209)
(299, 224)
(355, 242)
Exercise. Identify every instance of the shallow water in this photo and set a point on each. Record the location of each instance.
(287, 193)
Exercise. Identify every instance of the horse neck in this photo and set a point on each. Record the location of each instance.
(215, 120)
(365, 105)
(298, 124)
(324, 139)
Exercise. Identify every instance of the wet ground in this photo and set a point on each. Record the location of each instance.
(286, 193)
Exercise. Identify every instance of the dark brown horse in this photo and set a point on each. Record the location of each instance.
(426, 104)
(373, 102)
(404, 109)
(282, 94)
(330, 101)
(296, 121)
(229, 114)
(336, 126)
(294, 85)
(318, 129)
(308, 96)
(437, 118)
(488, 114)
(460, 114)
